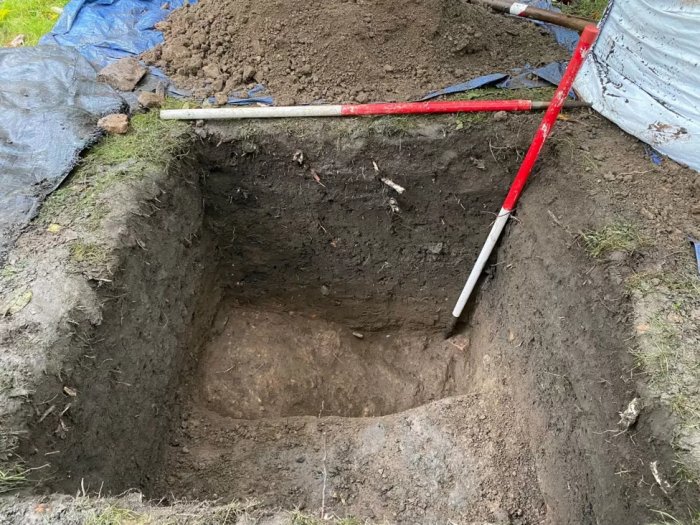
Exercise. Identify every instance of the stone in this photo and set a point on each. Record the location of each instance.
(435, 248)
(150, 100)
(362, 97)
(500, 116)
(114, 124)
(211, 71)
(248, 73)
(221, 99)
(123, 74)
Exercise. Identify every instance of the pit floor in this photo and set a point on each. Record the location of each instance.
(263, 421)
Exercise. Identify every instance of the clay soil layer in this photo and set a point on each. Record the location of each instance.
(343, 50)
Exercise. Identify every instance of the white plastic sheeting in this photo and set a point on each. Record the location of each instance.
(644, 74)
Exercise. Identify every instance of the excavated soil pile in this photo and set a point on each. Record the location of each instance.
(340, 50)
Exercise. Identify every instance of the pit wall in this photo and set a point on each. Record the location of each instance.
(553, 327)
(107, 334)
(547, 330)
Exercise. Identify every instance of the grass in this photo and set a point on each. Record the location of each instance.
(393, 126)
(31, 18)
(150, 142)
(668, 353)
(493, 93)
(668, 519)
(89, 253)
(592, 9)
(680, 284)
(616, 237)
(12, 479)
(113, 515)
(298, 517)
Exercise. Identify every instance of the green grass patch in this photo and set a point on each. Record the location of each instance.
(393, 126)
(622, 237)
(12, 479)
(150, 142)
(592, 9)
(91, 254)
(113, 515)
(31, 18)
(492, 93)
(682, 285)
(149, 138)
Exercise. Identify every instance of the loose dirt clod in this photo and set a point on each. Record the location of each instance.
(339, 51)
(123, 74)
(151, 100)
(117, 123)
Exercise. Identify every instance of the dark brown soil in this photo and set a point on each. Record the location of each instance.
(343, 50)
(275, 324)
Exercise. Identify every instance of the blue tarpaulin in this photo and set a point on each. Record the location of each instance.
(50, 102)
(106, 30)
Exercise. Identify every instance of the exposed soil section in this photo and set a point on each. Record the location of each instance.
(461, 459)
(269, 327)
(343, 51)
(266, 363)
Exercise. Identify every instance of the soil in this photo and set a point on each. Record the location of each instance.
(270, 329)
(343, 50)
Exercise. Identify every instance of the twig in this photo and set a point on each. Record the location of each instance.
(325, 477)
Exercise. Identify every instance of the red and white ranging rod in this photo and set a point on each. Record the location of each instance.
(357, 110)
(545, 128)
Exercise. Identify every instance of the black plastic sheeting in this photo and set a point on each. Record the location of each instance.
(50, 102)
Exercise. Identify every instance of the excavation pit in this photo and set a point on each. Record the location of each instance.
(271, 328)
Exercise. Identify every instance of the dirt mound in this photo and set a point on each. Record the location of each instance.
(342, 50)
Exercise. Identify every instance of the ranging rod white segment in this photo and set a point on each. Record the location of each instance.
(486, 250)
(331, 110)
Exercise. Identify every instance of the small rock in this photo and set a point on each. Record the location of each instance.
(325, 291)
(647, 214)
(117, 123)
(361, 97)
(500, 116)
(358, 335)
(185, 450)
(435, 248)
(248, 73)
(388, 68)
(150, 100)
(305, 70)
(609, 176)
(123, 74)
(221, 99)
(617, 256)
(211, 71)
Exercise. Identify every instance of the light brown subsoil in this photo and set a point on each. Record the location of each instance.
(343, 50)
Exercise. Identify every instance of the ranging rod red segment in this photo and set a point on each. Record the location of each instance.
(545, 128)
(448, 106)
